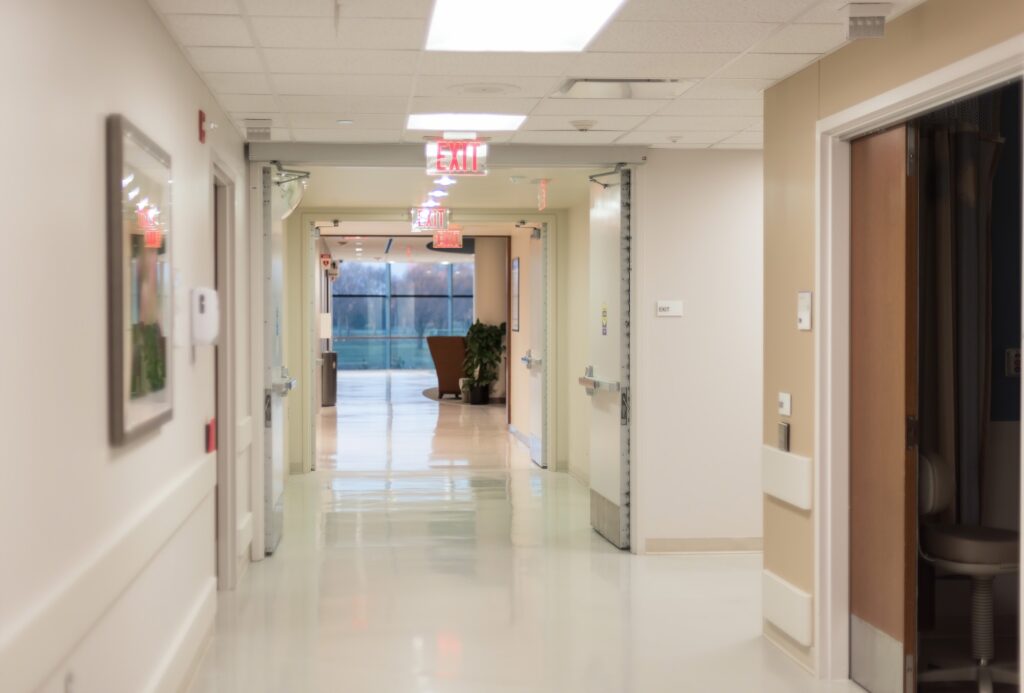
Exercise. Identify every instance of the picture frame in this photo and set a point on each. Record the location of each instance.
(514, 298)
(140, 282)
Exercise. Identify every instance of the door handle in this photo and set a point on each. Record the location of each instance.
(592, 384)
(529, 361)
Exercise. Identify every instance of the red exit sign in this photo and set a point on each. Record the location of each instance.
(429, 218)
(457, 157)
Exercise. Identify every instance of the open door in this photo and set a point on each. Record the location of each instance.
(607, 377)
(279, 200)
(883, 412)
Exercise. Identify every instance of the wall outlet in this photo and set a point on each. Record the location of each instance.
(1012, 363)
(785, 404)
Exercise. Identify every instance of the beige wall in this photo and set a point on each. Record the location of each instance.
(490, 290)
(925, 39)
(573, 353)
(108, 553)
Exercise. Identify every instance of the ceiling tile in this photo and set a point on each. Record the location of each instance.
(196, 6)
(714, 10)
(680, 37)
(249, 102)
(692, 123)
(343, 105)
(496, 64)
(348, 9)
(238, 82)
(334, 61)
(464, 104)
(598, 107)
(208, 30)
(280, 134)
(560, 137)
(329, 121)
(209, 59)
(804, 38)
(386, 8)
(715, 107)
(768, 65)
(343, 85)
(437, 85)
(564, 122)
(729, 89)
(648, 65)
(826, 12)
(321, 32)
(345, 135)
(653, 138)
(289, 8)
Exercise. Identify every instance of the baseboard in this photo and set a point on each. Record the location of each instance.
(800, 655)
(181, 663)
(519, 435)
(706, 545)
(34, 645)
(606, 519)
(788, 608)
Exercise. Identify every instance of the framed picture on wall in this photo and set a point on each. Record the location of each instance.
(514, 298)
(140, 281)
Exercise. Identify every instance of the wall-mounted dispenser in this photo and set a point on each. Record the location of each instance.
(205, 316)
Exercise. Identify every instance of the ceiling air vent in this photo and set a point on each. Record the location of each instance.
(258, 129)
(866, 19)
(623, 88)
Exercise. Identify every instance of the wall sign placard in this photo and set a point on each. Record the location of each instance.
(429, 218)
(457, 158)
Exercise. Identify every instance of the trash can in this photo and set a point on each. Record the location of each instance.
(329, 385)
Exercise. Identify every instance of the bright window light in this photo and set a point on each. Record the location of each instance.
(524, 26)
(464, 121)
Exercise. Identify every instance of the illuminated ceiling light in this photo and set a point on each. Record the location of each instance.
(464, 121)
(446, 181)
(431, 203)
(344, 121)
(133, 193)
(438, 193)
(125, 182)
(524, 26)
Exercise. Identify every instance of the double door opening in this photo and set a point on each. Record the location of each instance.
(935, 399)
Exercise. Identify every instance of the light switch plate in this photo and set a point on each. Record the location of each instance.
(670, 309)
(803, 311)
(785, 404)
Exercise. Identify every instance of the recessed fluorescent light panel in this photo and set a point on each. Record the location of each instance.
(464, 121)
(524, 26)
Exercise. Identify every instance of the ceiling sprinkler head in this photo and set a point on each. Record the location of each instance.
(583, 125)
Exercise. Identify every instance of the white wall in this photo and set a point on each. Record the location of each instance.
(697, 389)
(108, 554)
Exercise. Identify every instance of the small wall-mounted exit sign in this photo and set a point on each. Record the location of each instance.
(670, 309)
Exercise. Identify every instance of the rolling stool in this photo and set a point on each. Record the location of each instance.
(980, 553)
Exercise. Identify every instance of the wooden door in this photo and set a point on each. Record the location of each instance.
(883, 413)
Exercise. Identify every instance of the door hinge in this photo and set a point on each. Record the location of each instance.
(912, 432)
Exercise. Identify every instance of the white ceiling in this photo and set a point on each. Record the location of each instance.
(294, 62)
(402, 249)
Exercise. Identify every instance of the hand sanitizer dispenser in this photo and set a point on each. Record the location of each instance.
(205, 316)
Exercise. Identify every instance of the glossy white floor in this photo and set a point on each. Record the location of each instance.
(427, 554)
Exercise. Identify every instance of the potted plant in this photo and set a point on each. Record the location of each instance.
(485, 345)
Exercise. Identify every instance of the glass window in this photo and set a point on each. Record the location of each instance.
(462, 279)
(383, 312)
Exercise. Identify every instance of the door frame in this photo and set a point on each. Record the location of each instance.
(227, 515)
(979, 72)
(548, 220)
